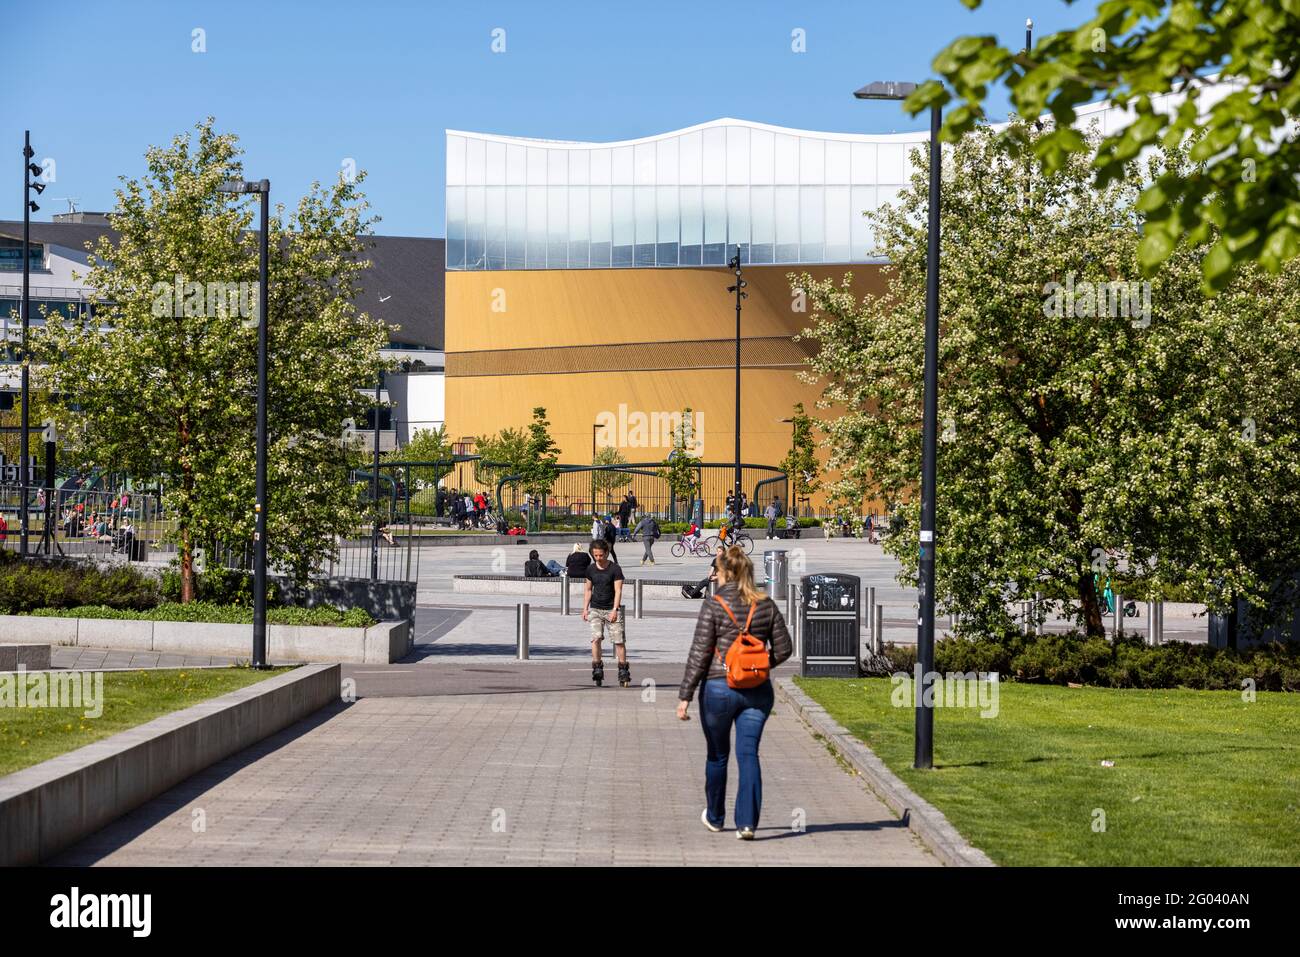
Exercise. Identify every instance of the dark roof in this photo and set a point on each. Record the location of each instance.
(407, 272)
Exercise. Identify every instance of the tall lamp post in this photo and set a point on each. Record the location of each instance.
(30, 169)
(262, 188)
(739, 290)
(924, 753)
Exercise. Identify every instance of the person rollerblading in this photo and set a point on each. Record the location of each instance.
(602, 601)
(624, 675)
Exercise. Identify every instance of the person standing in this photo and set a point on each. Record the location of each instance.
(578, 562)
(770, 514)
(602, 604)
(440, 502)
(625, 510)
(721, 705)
(648, 529)
(609, 534)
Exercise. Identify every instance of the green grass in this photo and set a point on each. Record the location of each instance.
(29, 735)
(1199, 777)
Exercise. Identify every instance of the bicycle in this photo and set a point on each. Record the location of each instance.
(681, 548)
(741, 539)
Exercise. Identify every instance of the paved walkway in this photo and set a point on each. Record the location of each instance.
(504, 764)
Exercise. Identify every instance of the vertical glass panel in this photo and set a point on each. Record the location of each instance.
(536, 166)
(600, 167)
(455, 160)
(692, 226)
(579, 167)
(812, 224)
(864, 164)
(646, 224)
(475, 227)
(622, 172)
(602, 223)
(516, 165)
(557, 226)
(762, 146)
(579, 226)
(557, 167)
(496, 221)
(643, 158)
(890, 158)
(763, 225)
(787, 159)
(516, 226)
(812, 161)
(715, 224)
(666, 162)
(475, 162)
(738, 155)
(536, 234)
(837, 224)
(669, 226)
(738, 221)
(715, 155)
(691, 165)
(495, 174)
(787, 223)
(624, 222)
(837, 162)
(455, 227)
(861, 237)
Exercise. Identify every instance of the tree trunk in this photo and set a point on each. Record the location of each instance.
(1091, 606)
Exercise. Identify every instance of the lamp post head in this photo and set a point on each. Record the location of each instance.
(885, 90)
(244, 186)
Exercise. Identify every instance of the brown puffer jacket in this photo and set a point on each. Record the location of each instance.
(714, 630)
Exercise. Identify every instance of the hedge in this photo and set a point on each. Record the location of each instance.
(202, 611)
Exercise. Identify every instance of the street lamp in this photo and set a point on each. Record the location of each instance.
(262, 188)
(924, 753)
(30, 169)
(739, 290)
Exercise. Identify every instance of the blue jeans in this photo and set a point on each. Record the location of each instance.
(747, 708)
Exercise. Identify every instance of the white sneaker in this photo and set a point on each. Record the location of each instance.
(745, 834)
(704, 817)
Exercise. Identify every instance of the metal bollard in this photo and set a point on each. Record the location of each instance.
(521, 631)
(878, 628)
(638, 599)
(1151, 622)
(1119, 614)
(1159, 622)
(564, 592)
(791, 604)
(869, 604)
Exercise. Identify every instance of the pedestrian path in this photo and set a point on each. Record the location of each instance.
(509, 765)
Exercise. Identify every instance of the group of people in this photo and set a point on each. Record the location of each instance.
(112, 525)
(466, 510)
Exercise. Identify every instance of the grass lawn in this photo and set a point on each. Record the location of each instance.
(29, 735)
(1199, 777)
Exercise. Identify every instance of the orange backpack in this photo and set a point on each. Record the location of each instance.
(747, 661)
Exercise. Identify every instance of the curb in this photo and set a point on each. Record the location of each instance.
(50, 806)
(922, 817)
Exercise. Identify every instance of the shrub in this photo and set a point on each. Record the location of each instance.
(26, 585)
(202, 611)
(220, 586)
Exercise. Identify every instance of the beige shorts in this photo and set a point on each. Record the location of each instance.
(598, 618)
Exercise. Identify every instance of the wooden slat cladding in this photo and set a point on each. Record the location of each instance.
(774, 352)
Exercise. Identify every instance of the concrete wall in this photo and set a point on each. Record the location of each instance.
(49, 807)
(381, 643)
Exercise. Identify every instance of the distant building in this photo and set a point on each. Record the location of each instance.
(403, 287)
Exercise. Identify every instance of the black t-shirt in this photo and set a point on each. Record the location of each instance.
(577, 564)
(602, 584)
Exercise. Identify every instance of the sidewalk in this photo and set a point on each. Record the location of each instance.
(535, 766)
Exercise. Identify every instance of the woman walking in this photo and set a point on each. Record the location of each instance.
(722, 704)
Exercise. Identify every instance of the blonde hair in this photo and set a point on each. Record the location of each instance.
(735, 564)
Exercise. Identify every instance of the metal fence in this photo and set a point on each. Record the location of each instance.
(73, 521)
(584, 490)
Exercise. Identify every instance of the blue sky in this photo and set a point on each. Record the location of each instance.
(307, 85)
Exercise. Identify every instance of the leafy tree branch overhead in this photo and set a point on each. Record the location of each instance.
(1242, 198)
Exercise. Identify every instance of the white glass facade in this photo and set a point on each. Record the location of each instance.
(680, 199)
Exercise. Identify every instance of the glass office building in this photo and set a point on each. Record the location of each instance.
(686, 198)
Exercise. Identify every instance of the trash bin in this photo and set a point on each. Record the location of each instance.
(830, 621)
(775, 570)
